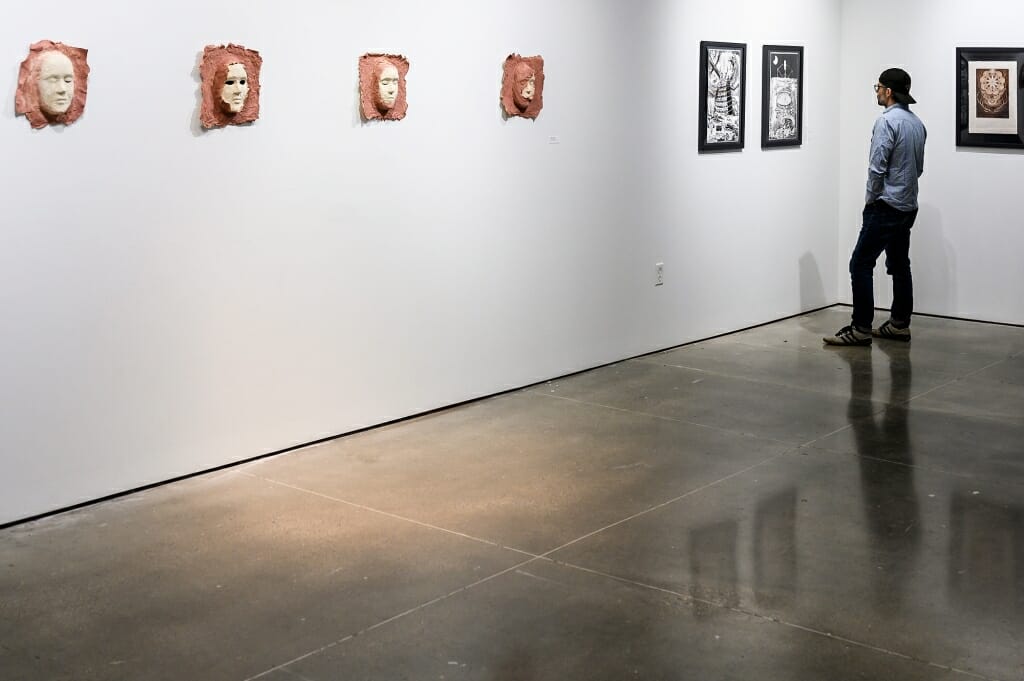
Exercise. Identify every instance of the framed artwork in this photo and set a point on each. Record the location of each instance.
(990, 97)
(782, 96)
(723, 82)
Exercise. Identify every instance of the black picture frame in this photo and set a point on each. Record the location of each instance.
(720, 126)
(989, 121)
(782, 96)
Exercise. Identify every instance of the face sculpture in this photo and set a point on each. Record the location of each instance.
(52, 84)
(382, 86)
(522, 87)
(231, 85)
(386, 77)
(235, 89)
(56, 83)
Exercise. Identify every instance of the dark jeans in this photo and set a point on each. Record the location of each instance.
(885, 229)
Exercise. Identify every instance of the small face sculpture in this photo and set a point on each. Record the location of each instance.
(522, 86)
(387, 86)
(235, 89)
(56, 83)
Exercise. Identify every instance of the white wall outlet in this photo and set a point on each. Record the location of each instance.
(659, 273)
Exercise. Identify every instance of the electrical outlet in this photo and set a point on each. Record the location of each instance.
(659, 273)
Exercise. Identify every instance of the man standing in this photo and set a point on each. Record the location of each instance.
(895, 163)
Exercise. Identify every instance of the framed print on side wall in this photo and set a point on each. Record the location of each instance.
(990, 97)
(782, 96)
(723, 82)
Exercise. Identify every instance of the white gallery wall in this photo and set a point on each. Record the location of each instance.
(174, 300)
(966, 246)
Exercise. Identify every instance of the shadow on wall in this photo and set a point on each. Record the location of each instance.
(195, 125)
(933, 263)
(812, 288)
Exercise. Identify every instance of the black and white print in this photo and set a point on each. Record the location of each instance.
(723, 76)
(782, 96)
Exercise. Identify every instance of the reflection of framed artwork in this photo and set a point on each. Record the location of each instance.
(986, 544)
(782, 96)
(990, 97)
(723, 82)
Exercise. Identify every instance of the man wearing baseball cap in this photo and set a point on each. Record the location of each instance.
(895, 163)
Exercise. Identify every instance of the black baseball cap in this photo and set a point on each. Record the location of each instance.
(898, 81)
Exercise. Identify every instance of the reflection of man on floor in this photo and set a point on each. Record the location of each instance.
(887, 486)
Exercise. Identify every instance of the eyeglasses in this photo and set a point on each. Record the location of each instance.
(880, 87)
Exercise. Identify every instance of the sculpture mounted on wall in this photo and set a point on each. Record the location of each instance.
(382, 86)
(230, 77)
(52, 84)
(522, 87)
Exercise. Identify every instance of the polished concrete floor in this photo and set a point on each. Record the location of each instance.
(751, 507)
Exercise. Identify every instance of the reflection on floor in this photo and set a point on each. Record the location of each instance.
(756, 506)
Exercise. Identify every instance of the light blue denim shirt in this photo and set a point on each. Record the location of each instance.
(896, 159)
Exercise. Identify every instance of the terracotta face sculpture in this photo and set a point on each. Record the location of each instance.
(522, 86)
(52, 84)
(231, 86)
(382, 86)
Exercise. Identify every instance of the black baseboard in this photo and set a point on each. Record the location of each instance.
(945, 316)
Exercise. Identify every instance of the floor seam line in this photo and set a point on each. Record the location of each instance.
(720, 374)
(769, 618)
(533, 557)
(828, 435)
(955, 380)
(795, 347)
(670, 419)
(393, 516)
(928, 469)
(391, 619)
(758, 381)
(904, 403)
(663, 504)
